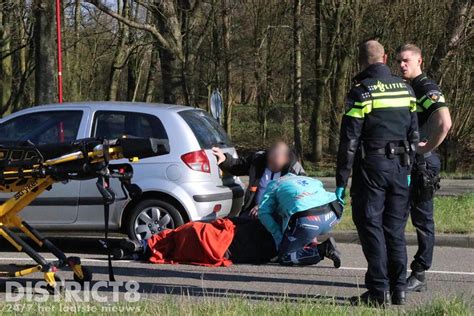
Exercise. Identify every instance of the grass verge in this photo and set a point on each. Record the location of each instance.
(173, 306)
(453, 215)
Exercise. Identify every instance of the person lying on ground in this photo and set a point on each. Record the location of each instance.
(218, 243)
(246, 240)
(296, 210)
(261, 167)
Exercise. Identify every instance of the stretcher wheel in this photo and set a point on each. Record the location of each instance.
(87, 276)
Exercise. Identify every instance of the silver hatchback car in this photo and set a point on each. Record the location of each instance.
(184, 185)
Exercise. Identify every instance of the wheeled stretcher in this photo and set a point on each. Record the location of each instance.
(28, 170)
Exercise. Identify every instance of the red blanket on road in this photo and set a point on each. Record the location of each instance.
(197, 243)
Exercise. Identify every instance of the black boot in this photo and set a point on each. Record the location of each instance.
(370, 299)
(131, 245)
(416, 282)
(128, 249)
(328, 249)
(399, 298)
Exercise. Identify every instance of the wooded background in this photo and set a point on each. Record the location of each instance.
(283, 67)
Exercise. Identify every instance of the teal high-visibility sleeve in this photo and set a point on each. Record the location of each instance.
(287, 196)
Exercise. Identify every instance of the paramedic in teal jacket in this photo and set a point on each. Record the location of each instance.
(295, 210)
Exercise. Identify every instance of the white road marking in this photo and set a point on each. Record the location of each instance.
(429, 271)
(341, 268)
(54, 259)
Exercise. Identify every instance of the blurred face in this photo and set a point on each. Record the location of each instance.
(278, 157)
(410, 64)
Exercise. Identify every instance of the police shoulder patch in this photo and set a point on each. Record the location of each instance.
(434, 95)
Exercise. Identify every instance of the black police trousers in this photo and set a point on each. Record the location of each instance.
(380, 209)
(422, 218)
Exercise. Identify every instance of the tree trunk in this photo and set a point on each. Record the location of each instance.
(171, 68)
(120, 53)
(132, 78)
(76, 62)
(216, 50)
(21, 53)
(171, 78)
(267, 86)
(5, 63)
(45, 78)
(22, 66)
(227, 68)
(243, 91)
(188, 62)
(338, 94)
(133, 60)
(152, 80)
(261, 115)
(316, 126)
(459, 18)
(297, 93)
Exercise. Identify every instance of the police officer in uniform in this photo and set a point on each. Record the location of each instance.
(379, 134)
(434, 122)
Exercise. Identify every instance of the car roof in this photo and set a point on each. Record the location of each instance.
(113, 105)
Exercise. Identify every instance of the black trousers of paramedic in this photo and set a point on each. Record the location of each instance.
(422, 218)
(380, 208)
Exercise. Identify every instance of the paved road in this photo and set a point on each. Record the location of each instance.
(449, 187)
(452, 274)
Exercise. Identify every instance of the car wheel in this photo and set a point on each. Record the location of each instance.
(150, 217)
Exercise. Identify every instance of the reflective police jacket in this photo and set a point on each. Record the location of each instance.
(429, 99)
(380, 108)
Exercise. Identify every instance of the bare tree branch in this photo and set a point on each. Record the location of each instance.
(459, 18)
(141, 26)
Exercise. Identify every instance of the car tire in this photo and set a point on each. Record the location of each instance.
(148, 217)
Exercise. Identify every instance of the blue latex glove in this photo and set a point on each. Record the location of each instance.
(409, 179)
(340, 194)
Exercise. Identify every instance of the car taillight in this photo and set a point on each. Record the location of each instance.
(197, 160)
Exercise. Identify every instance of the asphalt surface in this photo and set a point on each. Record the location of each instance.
(452, 274)
(449, 187)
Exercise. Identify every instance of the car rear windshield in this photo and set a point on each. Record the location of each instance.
(206, 129)
(42, 127)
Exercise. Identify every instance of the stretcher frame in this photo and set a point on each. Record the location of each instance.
(29, 183)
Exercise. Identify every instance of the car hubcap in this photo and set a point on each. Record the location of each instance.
(152, 221)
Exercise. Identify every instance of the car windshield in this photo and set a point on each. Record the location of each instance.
(206, 129)
(42, 127)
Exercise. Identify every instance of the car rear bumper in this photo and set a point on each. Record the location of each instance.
(210, 201)
(236, 192)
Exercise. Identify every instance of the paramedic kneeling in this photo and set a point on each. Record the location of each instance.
(295, 210)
